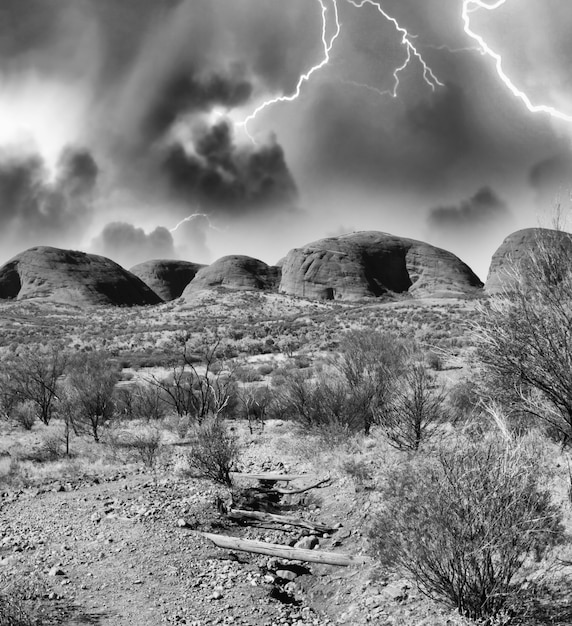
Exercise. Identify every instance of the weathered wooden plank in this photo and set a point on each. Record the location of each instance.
(240, 514)
(285, 552)
(270, 476)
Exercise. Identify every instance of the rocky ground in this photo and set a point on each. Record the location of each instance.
(123, 547)
(114, 553)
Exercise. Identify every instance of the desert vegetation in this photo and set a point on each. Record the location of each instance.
(440, 432)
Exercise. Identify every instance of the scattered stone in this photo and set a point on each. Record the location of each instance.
(286, 574)
(183, 523)
(56, 571)
(307, 543)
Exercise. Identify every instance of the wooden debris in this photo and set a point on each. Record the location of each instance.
(286, 491)
(239, 514)
(285, 552)
(270, 476)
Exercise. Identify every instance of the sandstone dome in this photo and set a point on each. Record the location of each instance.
(167, 278)
(518, 248)
(71, 277)
(371, 264)
(235, 272)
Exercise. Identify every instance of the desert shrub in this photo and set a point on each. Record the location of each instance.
(36, 373)
(434, 360)
(141, 401)
(146, 444)
(358, 470)
(20, 603)
(8, 390)
(254, 405)
(194, 393)
(89, 392)
(322, 406)
(52, 445)
(265, 369)
(463, 522)
(24, 413)
(371, 363)
(415, 409)
(214, 451)
(463, 398)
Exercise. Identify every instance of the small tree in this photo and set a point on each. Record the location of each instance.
(370, 363)
(462, 523)
(416, 409)
(214, 451)
(147, 444)
(36, 373)
(91, 383)
(255, 402)
(199, 385)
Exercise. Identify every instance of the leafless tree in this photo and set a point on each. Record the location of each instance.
(200, 383)
(36, 374)
(91, 383)
(416, 409)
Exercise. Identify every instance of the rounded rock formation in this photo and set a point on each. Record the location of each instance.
(371, 264)
(519, 248)
(167, 278)
(71, 277)
(235, 272)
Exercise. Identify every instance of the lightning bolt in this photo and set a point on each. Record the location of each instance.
(190, 218)
(470, 6)
(411, 51)
(327, 44)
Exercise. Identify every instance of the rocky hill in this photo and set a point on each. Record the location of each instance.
(167, 278)
(235, 272)
(71, 277)
(516, 249)
(371, 264)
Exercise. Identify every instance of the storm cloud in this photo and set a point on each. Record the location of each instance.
(36, 206)
(158, 91)
(127, 244)
(482, 211)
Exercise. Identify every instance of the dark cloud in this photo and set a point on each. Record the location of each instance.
(128, 245)
(551, 177)
(31, 204)
(186, 93)
(224, 177)
(485, 210)
(78, 172)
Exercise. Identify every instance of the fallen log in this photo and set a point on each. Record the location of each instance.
(288, 492)
(270, 476)
(285, 552)
(240, 514)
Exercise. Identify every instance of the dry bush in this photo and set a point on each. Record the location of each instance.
(146, 444)
(24, 413)
(20, 604)
(415, 410)
(90, 390)
(214, 451)
(463, 522)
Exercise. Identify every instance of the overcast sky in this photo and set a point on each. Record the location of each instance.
(119, 119)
